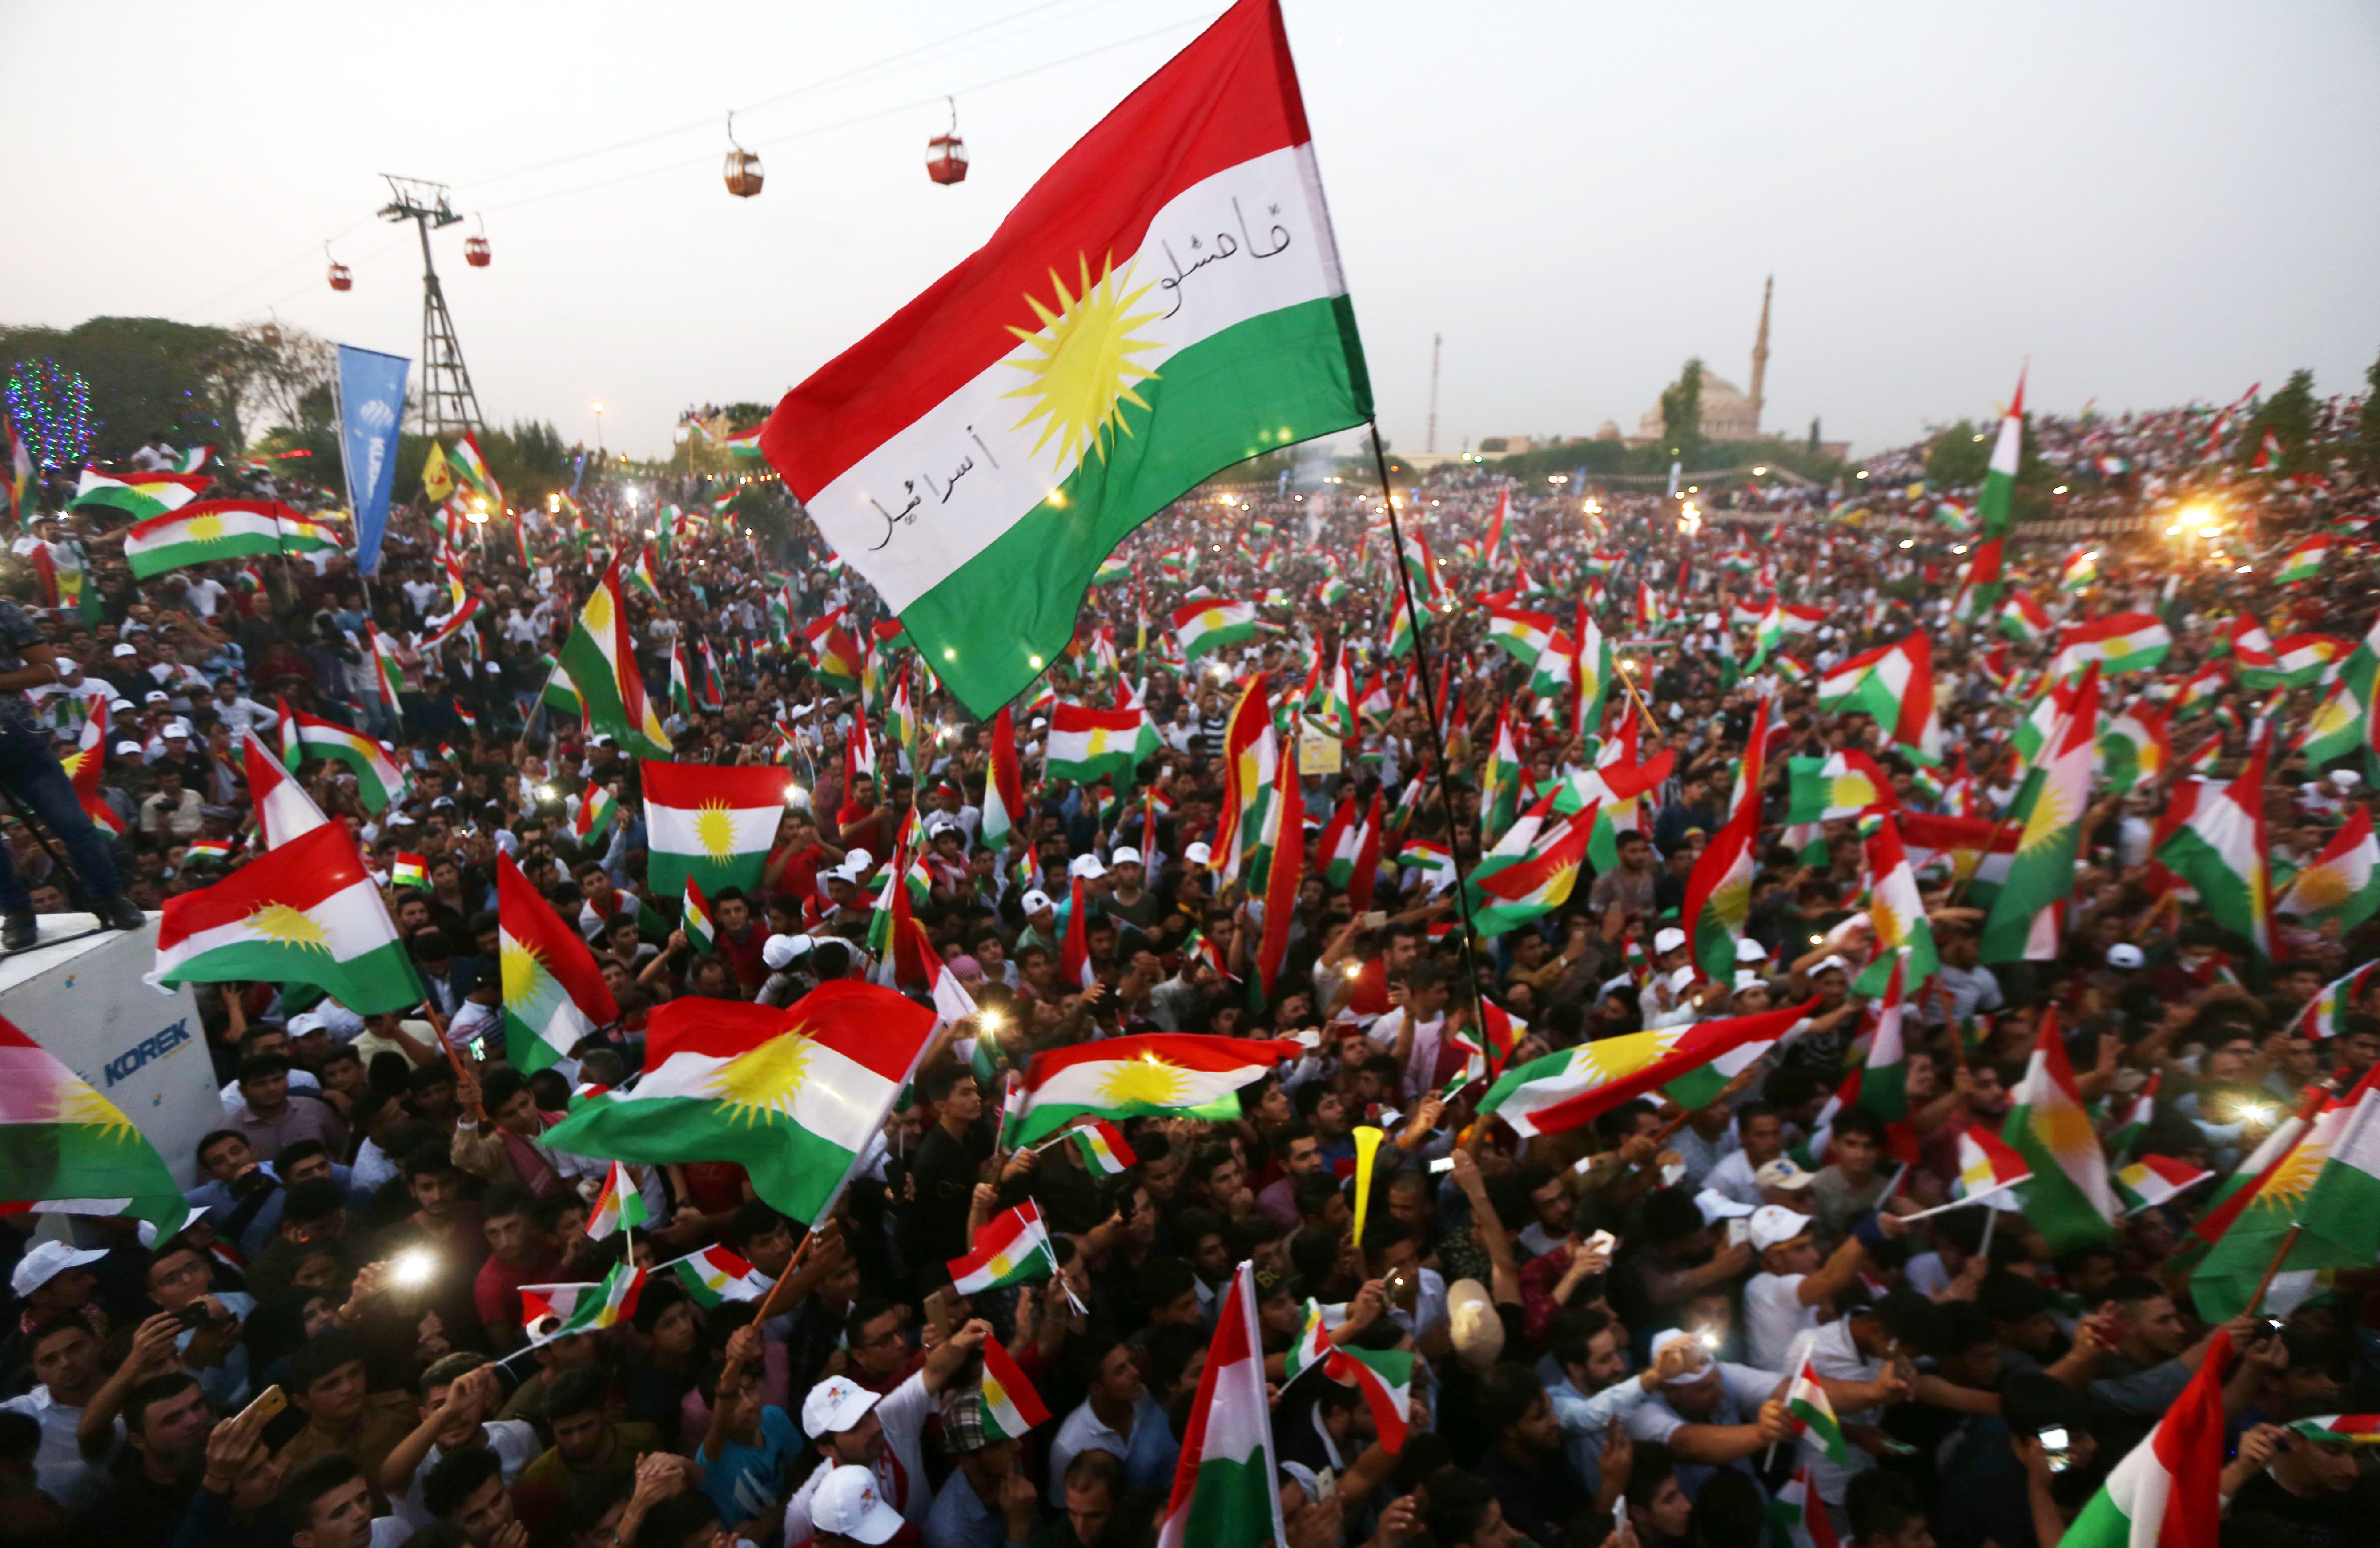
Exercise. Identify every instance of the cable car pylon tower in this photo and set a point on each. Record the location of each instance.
(449, 406)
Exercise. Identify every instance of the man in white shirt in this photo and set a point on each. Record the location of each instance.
(1783, 1301)
(458, 1393)
(1714, 1415)
(65, 1358)
(850, 1427)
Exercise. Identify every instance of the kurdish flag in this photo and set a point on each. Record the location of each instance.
(410, 870)
(2023, 620)
(2028, 913)
(2274, 1193)
(2364, 1428)
(2070, 1199)
(2155, 1179)
(69, 1148)
(2341, 1213)
(596, 810)
(203, 532)
(377, 780)
(619, 1206)
(1012, 1249)
(1003, 784)
(1224, 1488)
(1532, 868)
(2298, 661)
(2343, 882)
(1385, 1378)
(1010, 1407)
(2136, 746)
(1521, 634)
(2213, 837)
(1088, 745)
(1084, 376)
(2304, 561)
(2167, 1493)
(2344, 723)
(1996, 501)
(716, 1275)
(1897, 912)
(744, 442)
(1800, 1515)
(1719, 892)
(600, 661)
(1104, 1150)
(555, 998)
(2121, 642)
(1209, 626)
(139, 495)
(2079, 571)
(1894, 684)
(1814, 1416)
(1988, 1165)
(220, 850)
(693, 918)
(791, 1095)
(1159, 1074)
(1841, 785)
(710, 823)
(1564, 1090)
(303, 913)
(551, 1311)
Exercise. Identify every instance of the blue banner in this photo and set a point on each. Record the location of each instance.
(371, 407)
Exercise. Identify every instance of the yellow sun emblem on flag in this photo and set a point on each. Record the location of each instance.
(2294, 1177)
(1852, 790)
(1000, 1265)
(285, 926)
(1211, 619)
(1147, 1082)
(1082, 368)
(2318, 887)
(73, 761)
(597, 614)
(206, 528)
(761, 1083)
(1099, 742)
(2115, 647)
(2050, 814)
(715, 829)
(524, 972)
(87, 1106)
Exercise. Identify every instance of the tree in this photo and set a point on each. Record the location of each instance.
(1682, 413)
(2367, 426)
(149, 378)
(2290, 415)
(283, 378)
(1957, 455)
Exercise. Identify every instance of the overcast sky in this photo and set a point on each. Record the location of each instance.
(2156, 204)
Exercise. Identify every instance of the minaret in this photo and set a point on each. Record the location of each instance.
(1760, 353)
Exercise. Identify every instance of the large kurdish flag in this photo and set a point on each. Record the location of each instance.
(1165, 301)
(138, 495)
(2070, 1199)
(2167, 1493)
(601, 663)
(1563, 1090)
(791, 1095)
(378, 779)
(555, 998)
(1087, 745)
(712, 822)
(65, 1147)
(1224, 1488)
(2213, 836)
(303, 913)
(207, 531)
(1209, 626)
(1170, 1075)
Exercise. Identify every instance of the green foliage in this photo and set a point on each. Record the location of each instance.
(149, 378)
(2290, 415)
(2367, 428)
(744, 416)
(1957, 456)
(1682, 414)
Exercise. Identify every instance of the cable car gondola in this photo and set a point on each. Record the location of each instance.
(946, 155)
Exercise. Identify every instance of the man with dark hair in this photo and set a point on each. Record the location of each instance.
(458, 1396)
(1886, 1510)
(1851, 1183)
(1524, 1462)
(498, 1139)
(327, 1383)
(1094, 1488)
(467, 1492)
(326, 1504)
(64, 1356)
(519, 1252)
(949, 1162)
(270, 1118)
(1299, 1153)
(1465, 1513)
(589, 1452)
(166, 1420)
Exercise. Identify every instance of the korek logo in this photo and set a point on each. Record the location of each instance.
(377, 416)
(156, 1045)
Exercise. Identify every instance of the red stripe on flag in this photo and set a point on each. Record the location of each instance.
(299, 874)
(865, 1024)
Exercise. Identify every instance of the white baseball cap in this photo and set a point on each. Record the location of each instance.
(1782, 1173)
(1198, 854)
(1749, 951)
(306, 1021)
(45, 1262)
(778, 951)
(127, 749)
(847, 1505)
(63, 666)
(1773, 1224)
(1668, 940)
(1692, 1373)
(1036, 900)
(1125, 854)
(124, 650)
(2126, 955)
(834, 1406)
(1717, 1206)
(1085, 865)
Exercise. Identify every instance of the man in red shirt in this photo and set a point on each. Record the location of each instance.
(793, 867)
(740, 937)
(520, 1251)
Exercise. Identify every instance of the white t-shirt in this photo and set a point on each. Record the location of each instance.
(515, 1445)
(900, 1474)
(1774, 1317)
(60, 1469)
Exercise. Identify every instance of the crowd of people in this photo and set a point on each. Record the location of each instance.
(1608, 1320)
